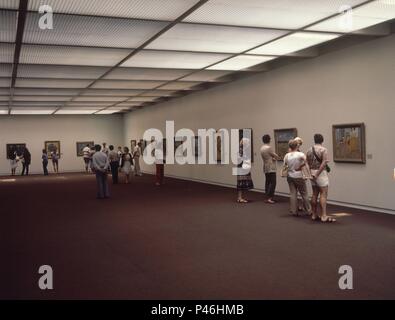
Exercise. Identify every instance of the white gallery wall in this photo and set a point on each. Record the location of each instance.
(352, 85)
(68, 129)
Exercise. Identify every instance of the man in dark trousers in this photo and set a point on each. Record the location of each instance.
(26, 160)
(114, 164)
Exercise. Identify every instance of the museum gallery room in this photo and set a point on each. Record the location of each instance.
(185, 149)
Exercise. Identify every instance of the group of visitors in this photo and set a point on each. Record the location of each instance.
(54, 156)
(299, 169)
(102, 160)
(24, 157)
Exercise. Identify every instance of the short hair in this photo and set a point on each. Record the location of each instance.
(266, 138)
(97, 147)
(126, 149)
(318, 138)
(111, 147)
(139, 144)
(44, 151)
(293, 144)
(299, 140)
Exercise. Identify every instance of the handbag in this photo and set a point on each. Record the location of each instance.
(284, 171)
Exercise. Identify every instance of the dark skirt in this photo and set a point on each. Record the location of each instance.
(244, 182)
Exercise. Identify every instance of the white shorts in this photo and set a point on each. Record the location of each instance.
(322, 180)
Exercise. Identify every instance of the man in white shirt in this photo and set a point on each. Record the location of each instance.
(86, 153)
(100, 165)
(269, 158)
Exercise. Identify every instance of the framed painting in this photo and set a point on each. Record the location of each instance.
(52, 147)
(349, 143)
(281, 140)
(12, 148)
(81, 145)
(249, 134)
(178, 152)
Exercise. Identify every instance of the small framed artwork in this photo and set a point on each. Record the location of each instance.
(52, 147)
(133, 144)
(81, 145)
(249, 135)
(281, 140)
(15, 148)
(349, 143)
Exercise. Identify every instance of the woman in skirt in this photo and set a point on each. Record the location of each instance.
(244, 180)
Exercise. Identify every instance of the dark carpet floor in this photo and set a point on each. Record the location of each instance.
(183, 240)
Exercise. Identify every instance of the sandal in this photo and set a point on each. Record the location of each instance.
(316, 218)
(242, 201)
(329, 220)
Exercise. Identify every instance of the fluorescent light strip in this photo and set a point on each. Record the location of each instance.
(110, 111)
(32, 111)
(240, 62)
(293, 43)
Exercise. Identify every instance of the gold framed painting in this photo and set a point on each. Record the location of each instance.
(349, 143)
(52, 147)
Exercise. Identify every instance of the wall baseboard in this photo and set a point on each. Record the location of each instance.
(333, 202)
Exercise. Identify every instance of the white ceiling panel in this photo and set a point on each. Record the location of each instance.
(100, 104)
(91, 31)
(180, 85)
(99, 98)
(7, 53)
(3, 111)
(360, 18)
(125, 84)
(42, 98)
(142, 99)
(294, 42)
(139, 9)
(206, 75)
(146, 74)
(38, 54)
(158, 93)
(36, 104)
(71, 111)
(5, 82)
(46, 92)
(207, 38)
(240, 62)
(5, 70)
(111, 111)
(173, 60)
(64, 72)
(32, 111)
(51, 83)
(8, 22)
(283, 14)
(4, 98)
(4, 92)
(114, 92)
(9, 4)
(128, 104)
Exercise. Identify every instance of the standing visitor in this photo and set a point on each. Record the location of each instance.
(100, 166)
(136, 158)
(244, 180)
(105, 149)
(13, 161)
(127, 162)
(317, 158)
(86, 153)
(26, 160)
(159, 163)
(294, 160)
(44, 158)
(55, 160)
(269, 158)
(114, 164)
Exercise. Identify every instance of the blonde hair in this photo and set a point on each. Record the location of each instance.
(299, 141)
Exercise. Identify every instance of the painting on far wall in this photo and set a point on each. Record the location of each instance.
(143, 145)
(249, 134)
(11, 148)
(349, 143)
(281, 140)
(52, 146)
(81, 145)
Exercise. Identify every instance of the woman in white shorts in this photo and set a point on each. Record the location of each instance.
(317, 159)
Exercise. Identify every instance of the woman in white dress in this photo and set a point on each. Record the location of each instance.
(13, 162)
(126, 163)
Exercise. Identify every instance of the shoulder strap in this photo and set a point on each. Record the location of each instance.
(316, 156)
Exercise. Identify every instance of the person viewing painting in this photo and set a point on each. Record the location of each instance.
(55, 160)
(13, 156)
(126, 164)
(136, 158)
(317, 158)
(26, 161)
(114, 164)
(44, 158)
(269, 158)
(100, 165)
(244, 180)
(86, 154)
